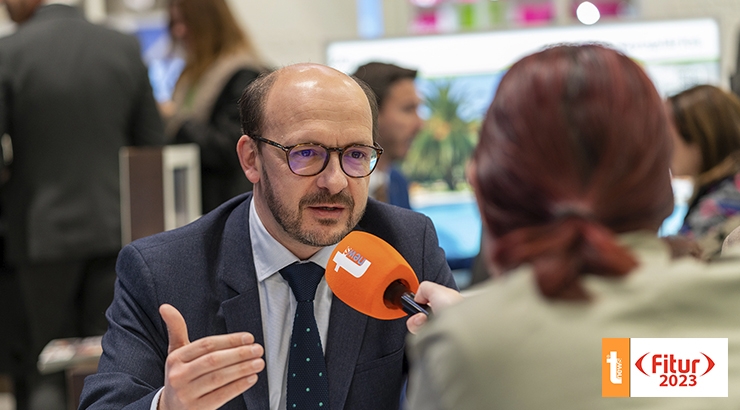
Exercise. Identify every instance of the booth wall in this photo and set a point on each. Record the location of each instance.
(289, 31)
(727, 12)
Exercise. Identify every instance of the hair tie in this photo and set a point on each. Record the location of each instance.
(563, 211)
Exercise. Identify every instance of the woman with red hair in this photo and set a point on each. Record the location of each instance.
(572, 179)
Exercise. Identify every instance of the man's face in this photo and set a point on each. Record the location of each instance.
(398, 119)
(20, 10)
(311, 104)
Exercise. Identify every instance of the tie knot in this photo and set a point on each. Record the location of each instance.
(303, 279)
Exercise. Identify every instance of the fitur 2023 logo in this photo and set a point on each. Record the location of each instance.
(633, 367)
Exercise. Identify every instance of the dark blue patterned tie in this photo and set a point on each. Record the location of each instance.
(308, 386)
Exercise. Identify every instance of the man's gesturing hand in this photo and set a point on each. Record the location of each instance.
(210, 371)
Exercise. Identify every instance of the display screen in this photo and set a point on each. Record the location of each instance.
(458, 76)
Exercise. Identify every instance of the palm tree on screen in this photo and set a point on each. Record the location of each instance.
(444, 146)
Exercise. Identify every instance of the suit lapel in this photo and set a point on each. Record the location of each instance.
(241, 307)
(346, 333)
(242, 314)
(346, 330)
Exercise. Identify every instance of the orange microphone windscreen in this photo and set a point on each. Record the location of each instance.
(361, 268)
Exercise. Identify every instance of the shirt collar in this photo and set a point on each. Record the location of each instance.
(270, 255)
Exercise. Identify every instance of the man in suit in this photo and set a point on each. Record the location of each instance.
(196, 307)
(74, 93)
(398, 124)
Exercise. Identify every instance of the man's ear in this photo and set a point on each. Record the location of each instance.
(249, 159)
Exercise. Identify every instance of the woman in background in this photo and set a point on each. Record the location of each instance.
(571, 175)
(707, 149)
(220, 60)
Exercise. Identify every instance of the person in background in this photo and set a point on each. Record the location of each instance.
(226, 281)
(220, 60)
(14, 334)
(398, 124)
(74, 93)
(571, 175)
(707, 149)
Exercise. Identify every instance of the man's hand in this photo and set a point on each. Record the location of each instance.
(437, 297)
(210, 371)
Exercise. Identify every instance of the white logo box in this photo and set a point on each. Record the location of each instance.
(678, 367)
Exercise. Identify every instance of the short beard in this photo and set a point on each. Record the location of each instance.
(291, 221)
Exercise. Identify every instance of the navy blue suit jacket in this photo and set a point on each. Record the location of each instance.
(398, 189)
(207, 272)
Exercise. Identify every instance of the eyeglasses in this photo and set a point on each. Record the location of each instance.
(356, 160)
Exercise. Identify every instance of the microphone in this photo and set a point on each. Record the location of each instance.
(366, 273)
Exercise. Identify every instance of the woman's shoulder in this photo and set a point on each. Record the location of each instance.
(659, 287)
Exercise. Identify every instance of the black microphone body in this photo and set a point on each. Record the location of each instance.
(412, 307)
(399, 296)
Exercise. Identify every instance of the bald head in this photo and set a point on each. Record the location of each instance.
(302, 73)
(300, 85)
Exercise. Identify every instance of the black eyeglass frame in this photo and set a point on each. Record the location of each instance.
(340, 151)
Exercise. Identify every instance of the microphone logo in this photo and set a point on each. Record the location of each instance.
(352, 261)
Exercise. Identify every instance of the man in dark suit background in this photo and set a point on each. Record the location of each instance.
(398, 124)
(74, 94)
(217, 282)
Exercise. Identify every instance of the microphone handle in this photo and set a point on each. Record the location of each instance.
(412, 307)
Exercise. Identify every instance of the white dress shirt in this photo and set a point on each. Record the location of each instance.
(278, 305)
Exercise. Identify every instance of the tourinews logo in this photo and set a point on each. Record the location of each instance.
(634, 367)
(352, 261)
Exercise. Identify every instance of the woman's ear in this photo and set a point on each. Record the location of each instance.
(246, 150)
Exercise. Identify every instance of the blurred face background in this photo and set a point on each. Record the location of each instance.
(398, 119)
(178, 27)
(20, 10)
(206, 31)
(686, 160)
(707, 121)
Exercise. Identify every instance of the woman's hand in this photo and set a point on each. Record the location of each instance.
(437, 297)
